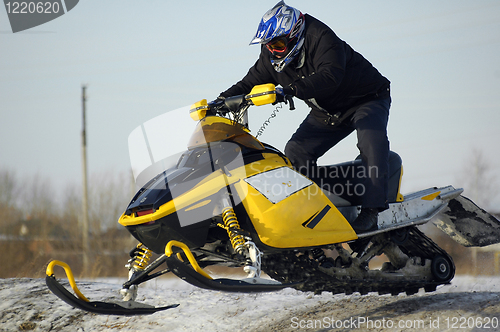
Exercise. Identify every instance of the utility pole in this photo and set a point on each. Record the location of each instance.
(85, 204)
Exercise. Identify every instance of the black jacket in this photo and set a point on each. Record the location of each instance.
(333, 76)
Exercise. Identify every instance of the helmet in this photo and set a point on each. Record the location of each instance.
(282, 31)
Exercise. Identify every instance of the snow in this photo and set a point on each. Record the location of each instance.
(27, 304)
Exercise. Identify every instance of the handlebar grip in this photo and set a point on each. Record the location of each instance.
(290, 100)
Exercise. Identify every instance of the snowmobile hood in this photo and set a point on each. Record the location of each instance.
(157, 192)
(215, 129)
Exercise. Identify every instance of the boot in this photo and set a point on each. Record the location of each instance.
(366, 221)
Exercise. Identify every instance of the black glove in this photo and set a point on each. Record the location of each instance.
(219, 100)
(284, 95)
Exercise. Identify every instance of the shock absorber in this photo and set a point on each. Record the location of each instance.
(319, 255)
(140, 258)
(231, 225)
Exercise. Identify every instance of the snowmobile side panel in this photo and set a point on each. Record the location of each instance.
(274, 202)
(468, 224)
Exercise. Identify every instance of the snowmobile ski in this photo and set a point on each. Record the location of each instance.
(196, 276)
(122, 308)
(189, 275)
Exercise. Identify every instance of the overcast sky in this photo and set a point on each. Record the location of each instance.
(143, 58)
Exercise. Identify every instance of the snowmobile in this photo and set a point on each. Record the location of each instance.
(231, 200)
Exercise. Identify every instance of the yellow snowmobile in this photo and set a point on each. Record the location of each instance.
(231, 200)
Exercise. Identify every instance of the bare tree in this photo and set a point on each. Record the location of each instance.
(9, 200)
(9, 190)
(109, 194)
(39, 201)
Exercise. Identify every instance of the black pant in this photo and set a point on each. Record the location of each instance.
(314, 138)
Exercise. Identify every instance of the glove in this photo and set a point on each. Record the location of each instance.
(280, 95)
(283, 94)
(215, 105)
(217, 101)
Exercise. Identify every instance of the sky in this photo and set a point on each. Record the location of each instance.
(140, 59)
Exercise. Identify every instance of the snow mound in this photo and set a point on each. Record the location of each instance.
(27, 304)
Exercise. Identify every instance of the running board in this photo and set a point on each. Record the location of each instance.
(417, 209)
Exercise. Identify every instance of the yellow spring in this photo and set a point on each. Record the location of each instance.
(142, 257)
(231, 222)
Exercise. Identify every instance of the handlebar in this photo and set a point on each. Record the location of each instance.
(289, 99)
(235, 104)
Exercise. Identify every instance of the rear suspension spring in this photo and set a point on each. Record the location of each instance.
(318, 254)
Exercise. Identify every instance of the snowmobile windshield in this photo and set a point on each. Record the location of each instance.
(216, 129)
(165, 141)
(157, 144)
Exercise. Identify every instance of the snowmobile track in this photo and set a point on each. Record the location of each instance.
(291, 266)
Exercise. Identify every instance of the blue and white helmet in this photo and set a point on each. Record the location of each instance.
(282, 31)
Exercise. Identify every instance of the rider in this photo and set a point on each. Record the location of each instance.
(345, 93)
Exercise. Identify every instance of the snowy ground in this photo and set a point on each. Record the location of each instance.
(468, 304)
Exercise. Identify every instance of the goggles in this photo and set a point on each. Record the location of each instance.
(277, 45)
